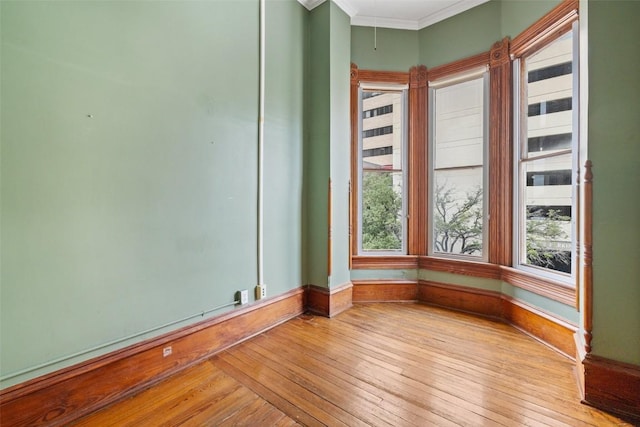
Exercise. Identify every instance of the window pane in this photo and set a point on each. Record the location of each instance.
(547, 212)
(382, 142)
(458, 211)
(547, 158)
(382, 211)
(459, 125)
(549, 99)
(457, 174)
(382, 130)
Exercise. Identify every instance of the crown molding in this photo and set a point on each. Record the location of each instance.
(342, 4)
(346, 7)
(370, 21)
(401, 24)
(311, 4)
(449, 12)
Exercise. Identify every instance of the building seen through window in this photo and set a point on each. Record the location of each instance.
(546, 157)
(457, 168)
(382, 200)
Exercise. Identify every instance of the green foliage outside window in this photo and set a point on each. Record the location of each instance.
(541, 230)
(381, 210)
(457, 224)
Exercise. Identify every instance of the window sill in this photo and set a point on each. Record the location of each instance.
(551, 289)
(464, 267)
(392, 262)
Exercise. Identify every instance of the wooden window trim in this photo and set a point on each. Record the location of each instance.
(385, 262)
(555, 23)
(416, 79)
(551, 289)
(450, 70)
(417, 176)
(466, 268)
(500, 236)
(460, 66)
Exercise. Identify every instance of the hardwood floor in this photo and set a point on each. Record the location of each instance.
(375, 364)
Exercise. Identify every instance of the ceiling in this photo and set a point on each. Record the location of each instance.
(402, 14)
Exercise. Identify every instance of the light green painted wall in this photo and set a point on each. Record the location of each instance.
(460, 36)
(327, 151)
(145, 212)
(384, 274)
(566, 312)
(614, 148)
(340, 144)
(286, 28)
(458, 279)
(397, 50)
(517, 15)
(317, 148)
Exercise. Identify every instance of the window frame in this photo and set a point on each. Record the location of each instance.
(416, 78)
(403, 89)
(565, 23)
(459, 77)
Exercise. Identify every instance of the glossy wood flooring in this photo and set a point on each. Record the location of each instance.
(376, 364)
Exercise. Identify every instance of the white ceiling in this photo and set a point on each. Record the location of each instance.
(402, 14)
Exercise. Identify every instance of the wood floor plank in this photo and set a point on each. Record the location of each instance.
(528, 389)
(340, 374)
(487, 352)
(379, 364)
(457, 356)
(368, 407)
(292, 411)
(326, 412)
(564, 419)
(259, 413)
(468, 413)
(155, 398)
(509, 403)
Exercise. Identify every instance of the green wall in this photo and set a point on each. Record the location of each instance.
(340, 169)
(614, 148)
(395, 50)
(286, 31)
(317, 148)
(327, 148)
(129, 167)
(466, 34)
(516, 16)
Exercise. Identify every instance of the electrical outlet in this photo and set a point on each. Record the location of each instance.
(261, 291)
(242, 297)
(167, 351)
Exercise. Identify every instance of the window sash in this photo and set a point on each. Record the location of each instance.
(563, 143)
(475, 166)
(398, 174)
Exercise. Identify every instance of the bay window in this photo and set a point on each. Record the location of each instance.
(471, 167)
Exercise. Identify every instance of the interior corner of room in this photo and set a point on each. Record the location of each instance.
(159, 158)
